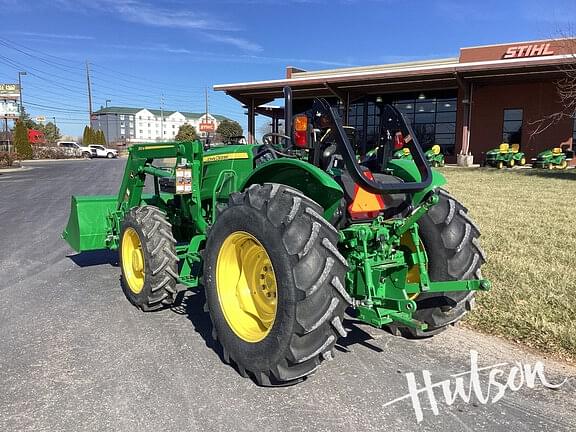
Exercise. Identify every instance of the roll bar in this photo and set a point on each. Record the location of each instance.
(322, 107)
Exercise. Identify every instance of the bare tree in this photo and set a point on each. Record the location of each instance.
(565, 87)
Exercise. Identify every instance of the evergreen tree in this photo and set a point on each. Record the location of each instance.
(102, 138)
(86, 135)
(21, 143)
(186, 132)
(228, 129)
(27, 121)
(51, 132)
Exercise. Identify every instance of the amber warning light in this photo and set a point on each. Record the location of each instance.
(301, 131)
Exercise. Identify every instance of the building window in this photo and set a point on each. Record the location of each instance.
(139, 117)
(433, 120)
(512, 126)
(140, 131)
(356, 120)
(121, 116)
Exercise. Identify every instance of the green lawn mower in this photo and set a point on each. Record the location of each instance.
(433, 156)
(403, 153)
(283, 237)
(505, 156)
(551, 159)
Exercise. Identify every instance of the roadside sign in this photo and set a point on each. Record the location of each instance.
(9, 91)
(9, 109)
(207, 127)
(40, 119)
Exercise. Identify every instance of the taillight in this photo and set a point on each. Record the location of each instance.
(398, 141)
(301, 131)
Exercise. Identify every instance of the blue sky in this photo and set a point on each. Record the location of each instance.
(141, 49)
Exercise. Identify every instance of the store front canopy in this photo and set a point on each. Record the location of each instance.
(519, 61)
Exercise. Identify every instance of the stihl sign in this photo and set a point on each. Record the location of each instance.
(207, 127)
(535, 50)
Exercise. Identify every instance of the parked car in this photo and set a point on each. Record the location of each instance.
(72, 148)
(102, 151)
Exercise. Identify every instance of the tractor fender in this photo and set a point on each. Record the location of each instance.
(407, 171)
(308, 179)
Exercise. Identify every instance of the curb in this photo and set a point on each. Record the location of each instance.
(32, 161)
(13, 170)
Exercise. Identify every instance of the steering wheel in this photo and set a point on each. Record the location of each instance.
(270, 145)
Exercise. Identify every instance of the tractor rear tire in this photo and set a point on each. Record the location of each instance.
(308, 274)
(450, 239)
(149, 282)
(511, 163)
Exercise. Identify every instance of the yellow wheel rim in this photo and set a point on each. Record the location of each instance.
(413, 275)
(246, 286)
(132, 260)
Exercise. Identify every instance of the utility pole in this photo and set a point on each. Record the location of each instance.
(20, 89)
(107, 128)
(206, 99)
(89, 93)
(162, 117)
(7, 133)
(206, 118)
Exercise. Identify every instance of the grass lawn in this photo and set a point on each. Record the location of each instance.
(528, 223)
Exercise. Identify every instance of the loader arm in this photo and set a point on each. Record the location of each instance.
(95, 221)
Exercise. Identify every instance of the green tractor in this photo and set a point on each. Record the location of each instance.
(551, 159)
(284, 237)
(505, 155)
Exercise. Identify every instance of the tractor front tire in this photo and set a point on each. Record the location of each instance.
(450, 239)
(148, 259)
(274, 282)
(500, 165)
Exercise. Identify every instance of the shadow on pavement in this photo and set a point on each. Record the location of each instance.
(191, 304)
(94, 258)
(356, 336)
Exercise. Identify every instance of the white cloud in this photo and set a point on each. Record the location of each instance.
(54, 36)
(237, 42)
(147, 13)
(209, 56)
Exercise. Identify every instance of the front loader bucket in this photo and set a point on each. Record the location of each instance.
(88, 224)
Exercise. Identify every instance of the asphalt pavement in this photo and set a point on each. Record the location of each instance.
(76, 356)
